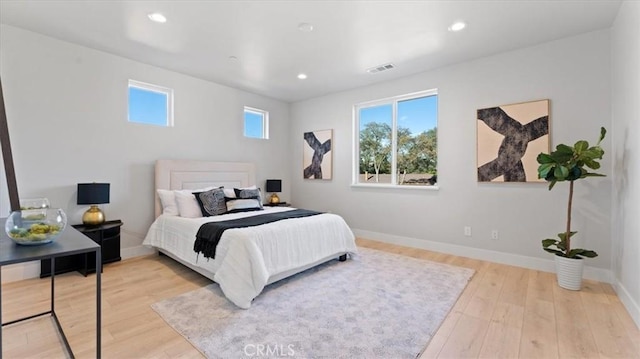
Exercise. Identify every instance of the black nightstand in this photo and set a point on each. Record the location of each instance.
(107, 235)
(280, 204)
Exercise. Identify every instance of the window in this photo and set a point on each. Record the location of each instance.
(256, 123)
(396, 141)
(150, 104)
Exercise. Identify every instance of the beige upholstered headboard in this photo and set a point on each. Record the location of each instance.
(187, 174)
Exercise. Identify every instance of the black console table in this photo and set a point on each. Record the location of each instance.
(70, 242)
(106, 235)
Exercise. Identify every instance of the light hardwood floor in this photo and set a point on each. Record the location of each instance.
(505, 312)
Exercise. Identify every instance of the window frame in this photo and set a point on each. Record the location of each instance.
(265, 122)
(393, 101)
(151, 88)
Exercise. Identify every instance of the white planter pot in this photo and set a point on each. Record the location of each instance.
(569, 272)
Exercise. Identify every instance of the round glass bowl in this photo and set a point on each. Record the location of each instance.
(35, 226)
(34, 203)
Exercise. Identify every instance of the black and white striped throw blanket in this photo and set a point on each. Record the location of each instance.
(209, 234)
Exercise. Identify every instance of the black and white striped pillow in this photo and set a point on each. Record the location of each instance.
(212, 202)
(243, 193)
(235, 205)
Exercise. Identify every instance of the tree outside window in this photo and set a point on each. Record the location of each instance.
(397, 141)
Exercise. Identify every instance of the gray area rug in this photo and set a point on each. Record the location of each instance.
(375, 305)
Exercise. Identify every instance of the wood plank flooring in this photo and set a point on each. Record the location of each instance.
(505, 312)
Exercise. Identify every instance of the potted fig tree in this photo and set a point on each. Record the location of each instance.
(569, 163)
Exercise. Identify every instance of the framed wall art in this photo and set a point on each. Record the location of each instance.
(510, 137)
(317, 155)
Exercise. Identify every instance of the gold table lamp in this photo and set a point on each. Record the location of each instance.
(274, 185)
(93, 194)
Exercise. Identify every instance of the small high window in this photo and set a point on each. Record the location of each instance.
(150, 104)
(256, 123)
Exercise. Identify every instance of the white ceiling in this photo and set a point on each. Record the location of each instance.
(349, 36)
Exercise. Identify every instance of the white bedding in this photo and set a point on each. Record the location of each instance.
(246, 258)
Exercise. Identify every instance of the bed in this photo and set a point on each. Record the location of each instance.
(246, 259)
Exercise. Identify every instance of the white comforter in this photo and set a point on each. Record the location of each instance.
(246, 258)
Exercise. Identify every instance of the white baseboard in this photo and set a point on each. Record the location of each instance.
(136, 251)
(632, 306)
(545, 265)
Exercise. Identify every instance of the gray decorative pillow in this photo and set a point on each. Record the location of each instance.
(212, 202)
(249, 194)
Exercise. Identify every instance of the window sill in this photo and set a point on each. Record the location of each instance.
(395, 186)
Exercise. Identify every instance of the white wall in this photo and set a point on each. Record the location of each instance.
(67, 112)
(574, 73)
(625, 64)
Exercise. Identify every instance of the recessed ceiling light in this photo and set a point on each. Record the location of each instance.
(157, 17)
(305, 27)
(457, 26)
(302, 76)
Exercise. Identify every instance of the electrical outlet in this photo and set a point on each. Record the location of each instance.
(494, 234)
(467, 231)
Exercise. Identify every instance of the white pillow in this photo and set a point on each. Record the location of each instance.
(170, 204)
(243, 205)
(168, 201)
(188, 206)
(229, 192)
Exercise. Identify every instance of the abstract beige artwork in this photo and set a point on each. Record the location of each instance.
(510, 137)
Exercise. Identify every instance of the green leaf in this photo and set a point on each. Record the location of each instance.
(564, 234)
(592, 153)
(574, 174)
(603, 132)
(581, 146)
(554, 251)
(544, 158)
(562, 154)
(561, 173)
(544, 169)
(592, 174)
(548, 242)
(550, 176)
(573, 253)
(552, 183)
(591, 164)
(563, 149)
(579, 253)
(562, 245)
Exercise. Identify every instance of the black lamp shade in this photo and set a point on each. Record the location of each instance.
(274, 185)
(93, 193)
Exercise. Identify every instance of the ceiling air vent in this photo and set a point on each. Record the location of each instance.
(381, 68)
